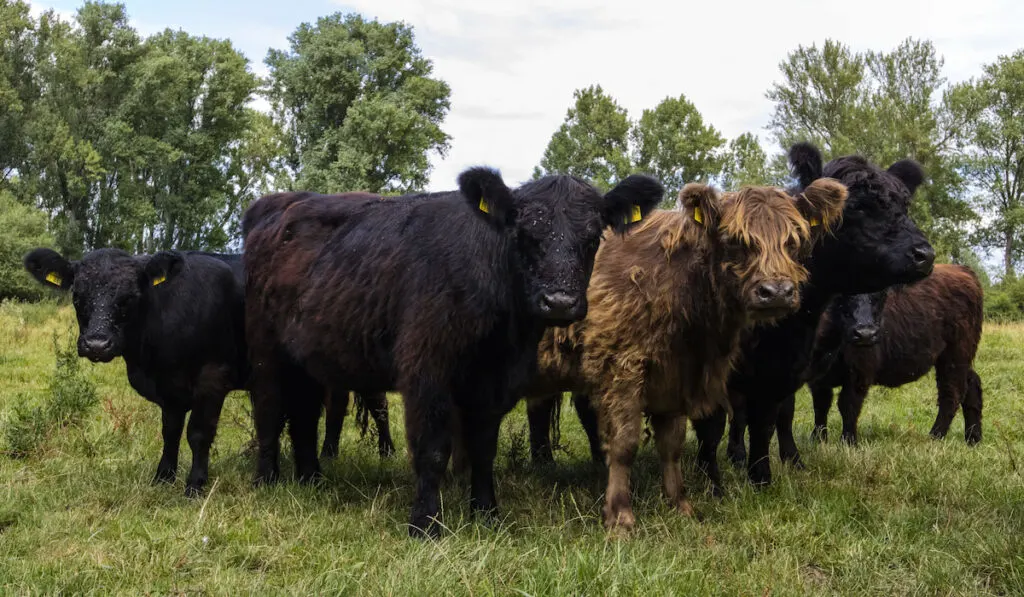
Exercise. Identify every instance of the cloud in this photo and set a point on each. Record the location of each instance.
(524, 58)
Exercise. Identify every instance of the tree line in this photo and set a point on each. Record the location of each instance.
(111, 138)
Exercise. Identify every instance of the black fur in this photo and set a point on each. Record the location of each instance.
(431, 297)
(177, 320)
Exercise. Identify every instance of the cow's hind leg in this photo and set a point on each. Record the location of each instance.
(736, 449)
(709, 431)
(669, 434)
(377, 404)
(951, 382)
(822, 395)
(972, 409)
(540, 413)
(337, 408)
(588, 418)
(788, 451)
(304, 407)
(172, 421)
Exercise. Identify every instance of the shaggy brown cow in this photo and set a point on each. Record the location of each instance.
(667, 305)
(896, 336)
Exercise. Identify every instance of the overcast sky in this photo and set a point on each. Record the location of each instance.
(513, 65)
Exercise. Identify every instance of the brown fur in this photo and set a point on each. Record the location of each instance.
(667, 305)
(932, 323)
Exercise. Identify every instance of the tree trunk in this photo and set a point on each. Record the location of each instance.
(1009, 274)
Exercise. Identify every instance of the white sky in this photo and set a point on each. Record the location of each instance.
(513, 65)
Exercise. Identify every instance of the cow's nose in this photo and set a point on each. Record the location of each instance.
(97, 345)
(775, 292)
(924, 257)
(864, 334)
(559, 301)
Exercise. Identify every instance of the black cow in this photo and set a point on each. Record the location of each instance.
(876, 246)
(441, 296)
(177, 319)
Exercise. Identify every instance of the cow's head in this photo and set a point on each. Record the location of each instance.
(557, 223)
(859, 316)
(108, 288)
(761, 234)
(877, 244)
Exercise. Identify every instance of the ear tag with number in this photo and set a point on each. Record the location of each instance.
(698, 215)
(53, 278)
(483, 206)
(160, 279)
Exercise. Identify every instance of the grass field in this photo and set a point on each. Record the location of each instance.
(899, 515)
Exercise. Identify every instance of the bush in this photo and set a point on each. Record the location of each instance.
(22, 228)
(1005, 301)
(71, 397)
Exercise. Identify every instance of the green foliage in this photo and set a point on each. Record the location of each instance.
(359, 106)
(992, 111)
(592, 143)
(673, 142)
(22, 228)
(746, 163)
(71, 397)
(886, 106)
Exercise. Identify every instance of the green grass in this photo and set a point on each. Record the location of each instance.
(899, 515)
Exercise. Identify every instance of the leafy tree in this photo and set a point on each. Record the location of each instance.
(746, 163)
(992, 109)
(17, 86)
(673, 142)
(22, 228)
(592, 143)
(357, 99)
(886, 106)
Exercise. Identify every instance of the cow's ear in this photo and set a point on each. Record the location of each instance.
(821, 203)
(909, 172)
(630, 201)
(487, 195)
(700, 202)
(805, 162)
(162, 267)
(50, 268)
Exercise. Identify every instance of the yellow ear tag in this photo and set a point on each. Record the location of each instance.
(634, 215)
(483, 206)
(53, 278)
(698, 215)
(815, 221)
(161, 279)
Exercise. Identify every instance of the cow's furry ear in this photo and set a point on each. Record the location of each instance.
(701, 203)
(822, 202)
(50, 267)
(805, 162)
(630, 201)
(162, 267)
(487, 195)
(909, 172)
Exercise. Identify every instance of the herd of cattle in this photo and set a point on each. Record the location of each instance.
(466, 301)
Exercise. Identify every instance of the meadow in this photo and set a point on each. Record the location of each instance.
(901, 514)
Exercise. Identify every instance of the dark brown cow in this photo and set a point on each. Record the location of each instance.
(668, 303)
(895, 337)
(441, 296)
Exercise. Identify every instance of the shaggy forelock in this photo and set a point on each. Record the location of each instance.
(767, 220)
(862, 177)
